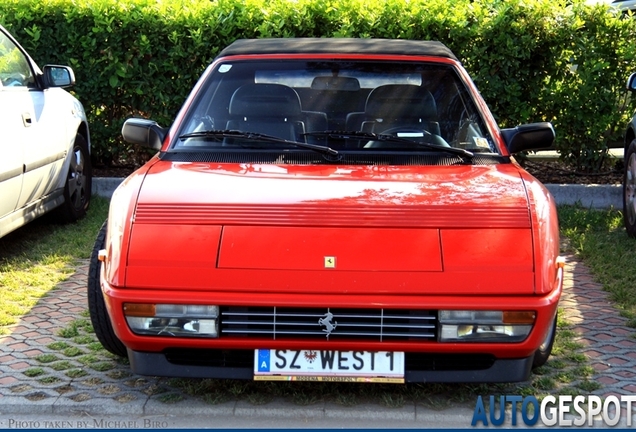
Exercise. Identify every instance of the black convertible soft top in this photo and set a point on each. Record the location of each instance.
(337, 46)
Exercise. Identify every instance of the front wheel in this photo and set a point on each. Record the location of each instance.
(543, 352)
(77, 189)
(96, 305)
(629, 190)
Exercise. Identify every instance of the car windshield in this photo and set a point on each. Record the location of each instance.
(344, 105)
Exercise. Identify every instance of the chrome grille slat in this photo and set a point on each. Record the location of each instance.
(350, 324)
(422, 335)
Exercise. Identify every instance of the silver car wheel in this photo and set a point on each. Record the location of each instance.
(77, 179)
(630, 189)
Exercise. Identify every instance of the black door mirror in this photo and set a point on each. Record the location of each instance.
(534, 136)
(144, 132)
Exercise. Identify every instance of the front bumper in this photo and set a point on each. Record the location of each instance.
(419, 367)
(425, 361)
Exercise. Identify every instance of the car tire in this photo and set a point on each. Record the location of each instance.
(96, 305)
(79, 180)
(629, 190)
(542, 354)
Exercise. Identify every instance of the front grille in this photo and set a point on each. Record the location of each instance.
(333, 323)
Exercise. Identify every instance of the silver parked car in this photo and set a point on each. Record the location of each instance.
(621, 5)
(629, 176)
(624, 5)
(44, 141)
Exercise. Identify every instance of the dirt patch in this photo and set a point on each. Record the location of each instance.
(556, 172)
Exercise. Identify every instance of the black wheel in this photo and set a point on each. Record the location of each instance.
(543, 352)
(79, 179)
(629, 190)
(96, 305)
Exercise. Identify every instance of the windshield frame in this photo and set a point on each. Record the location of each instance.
(210, 85)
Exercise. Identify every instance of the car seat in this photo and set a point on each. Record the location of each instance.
(271, 109)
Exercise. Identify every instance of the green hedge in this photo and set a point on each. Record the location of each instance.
(533, 60)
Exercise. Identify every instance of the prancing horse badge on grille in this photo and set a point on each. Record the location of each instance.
(326, 321)
(330, 262)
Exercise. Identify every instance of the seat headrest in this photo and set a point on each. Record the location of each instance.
(335, 83)
(265, 100)
(400, 101)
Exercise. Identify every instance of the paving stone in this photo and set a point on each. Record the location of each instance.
(31, 334)
(627, 344)
(19, 366)
(593, 354)
(606, 380)
(600, 367)
(626, 332)
(18, 347)
(8, 380)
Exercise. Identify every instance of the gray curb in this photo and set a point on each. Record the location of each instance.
(588, 196)
(274, 415)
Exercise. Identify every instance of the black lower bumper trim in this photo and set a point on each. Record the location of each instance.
(160, 364)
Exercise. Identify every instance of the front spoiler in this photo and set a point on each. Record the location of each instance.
(502, 370)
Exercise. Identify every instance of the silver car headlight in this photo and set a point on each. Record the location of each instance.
(173, 319)
(485, 326)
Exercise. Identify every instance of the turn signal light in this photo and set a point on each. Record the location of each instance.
(485, 326)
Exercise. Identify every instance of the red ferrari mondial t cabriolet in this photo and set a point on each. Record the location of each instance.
(331, 209)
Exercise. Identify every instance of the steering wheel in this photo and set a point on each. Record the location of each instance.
(423, 136)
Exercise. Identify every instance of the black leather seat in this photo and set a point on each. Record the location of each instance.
(396, 106)
(271, 109)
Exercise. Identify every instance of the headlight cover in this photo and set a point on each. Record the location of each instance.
(173, 319)
(485, 326)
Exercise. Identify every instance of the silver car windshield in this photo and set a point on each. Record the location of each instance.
(342, 105)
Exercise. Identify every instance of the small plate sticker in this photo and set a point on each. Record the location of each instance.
(482, 143)
(263, 360)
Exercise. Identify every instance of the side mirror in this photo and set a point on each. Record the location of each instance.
(58, 76)
(534, 136)
(143, 132)
(631, 82)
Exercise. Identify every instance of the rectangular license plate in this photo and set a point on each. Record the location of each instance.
(328, 365)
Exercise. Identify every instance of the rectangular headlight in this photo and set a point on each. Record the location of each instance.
(172, 319)
(485, 326)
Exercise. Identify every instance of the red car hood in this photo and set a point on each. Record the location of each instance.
(334, 195)
(333, 220)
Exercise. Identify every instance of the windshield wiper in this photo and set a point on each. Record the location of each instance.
(343, 135)
(257, 137)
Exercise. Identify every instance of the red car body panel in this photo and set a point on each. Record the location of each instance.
(249, 251)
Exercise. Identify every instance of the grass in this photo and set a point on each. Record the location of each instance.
(33, 261)
(599, 238)
(35, 258)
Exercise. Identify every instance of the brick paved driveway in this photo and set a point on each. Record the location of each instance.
(43, 372)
